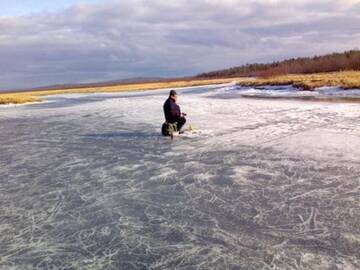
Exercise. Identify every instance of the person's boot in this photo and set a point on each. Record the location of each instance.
(172, 134)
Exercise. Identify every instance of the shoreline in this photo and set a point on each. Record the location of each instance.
(308, 82)
(35, 96)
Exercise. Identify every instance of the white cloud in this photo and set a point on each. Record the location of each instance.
(134, 38)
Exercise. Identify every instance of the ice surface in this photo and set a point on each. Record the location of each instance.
(87, 182)
(290, 92)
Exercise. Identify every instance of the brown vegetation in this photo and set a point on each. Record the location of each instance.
(349, 60)
(344, 79)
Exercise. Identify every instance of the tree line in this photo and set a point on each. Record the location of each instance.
(348, 60)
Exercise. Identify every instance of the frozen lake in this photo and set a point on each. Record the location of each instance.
(88, 182)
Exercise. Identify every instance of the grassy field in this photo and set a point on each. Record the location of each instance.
(345, 79)
(17, 98)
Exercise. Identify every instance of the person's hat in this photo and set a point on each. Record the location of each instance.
(173, 93)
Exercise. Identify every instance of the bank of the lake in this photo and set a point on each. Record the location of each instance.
(344, 79)
(35, 96)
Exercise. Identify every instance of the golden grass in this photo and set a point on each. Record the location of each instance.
(23, 97)
(343, 79)
(17, 98)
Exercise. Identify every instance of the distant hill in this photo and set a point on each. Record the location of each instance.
(349, 60)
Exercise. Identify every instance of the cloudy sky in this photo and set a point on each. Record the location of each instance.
(70, 41)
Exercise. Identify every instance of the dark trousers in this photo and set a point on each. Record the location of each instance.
(181, 123)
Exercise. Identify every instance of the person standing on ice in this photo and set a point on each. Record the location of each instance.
(174, 118)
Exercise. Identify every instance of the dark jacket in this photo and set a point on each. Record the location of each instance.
(171, 111)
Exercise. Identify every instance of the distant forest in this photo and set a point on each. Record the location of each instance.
(349, 60)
